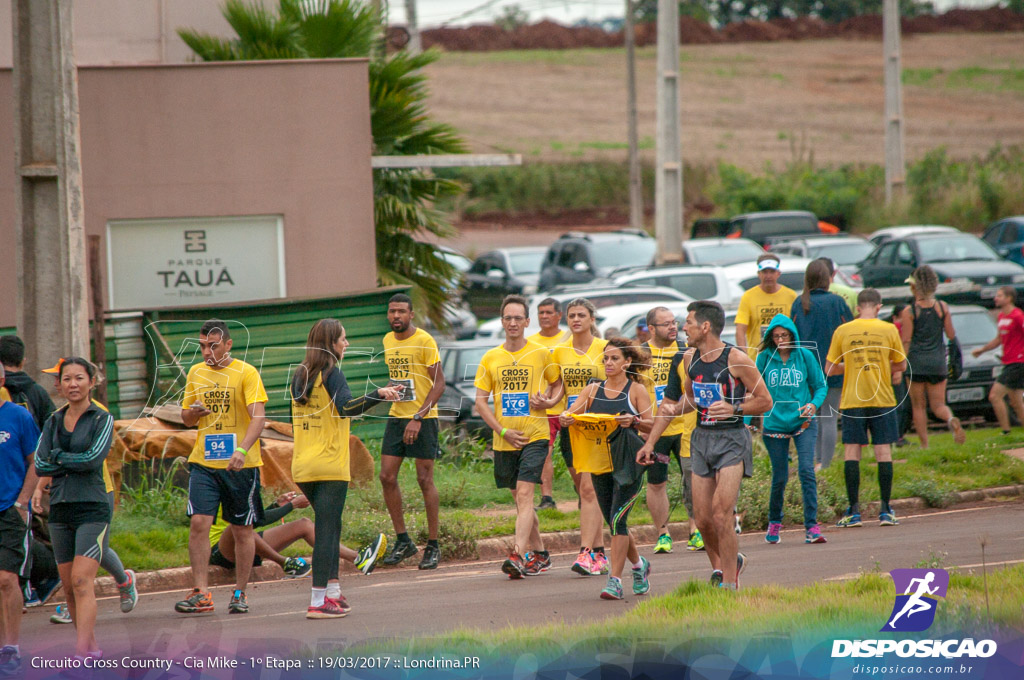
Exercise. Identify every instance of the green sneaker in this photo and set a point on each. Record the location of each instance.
(696, 541)
(641, 577)
(664, 544)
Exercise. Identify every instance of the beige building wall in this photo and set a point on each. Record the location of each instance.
(227, 139)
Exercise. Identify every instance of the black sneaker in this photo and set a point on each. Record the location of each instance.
(238, 605)
(547, 502)
(431, 556)
(716, 578)
(400, 551)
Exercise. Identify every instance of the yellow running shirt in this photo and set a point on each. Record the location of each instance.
(758, 308)
(589, 437)
(578, 369)
(661, 367)
(409, 363)
(866, 347)
(227, 392)
(321, 438)
(551, 343)
(512, 377)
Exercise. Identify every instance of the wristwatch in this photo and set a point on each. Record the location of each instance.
(418, 417)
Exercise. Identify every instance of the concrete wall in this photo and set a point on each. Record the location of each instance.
(209, 140)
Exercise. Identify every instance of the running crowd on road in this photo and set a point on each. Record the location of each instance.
(621, 410)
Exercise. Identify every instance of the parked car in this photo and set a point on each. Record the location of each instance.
(888, 233)
(600, 296)
(1007, 238)
(459, 361)
(973, 269)
(792, 271)
(697, 282)
(627, 329)
(762, 227)
(461, 323)
(501, 272)
(721, 251)
(846, 251)
(578, 257)
(454, 258)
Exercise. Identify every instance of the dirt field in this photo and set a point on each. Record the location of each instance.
(745, 103)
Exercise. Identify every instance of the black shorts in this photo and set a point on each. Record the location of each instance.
(616, 501)
(217, 558)
(1012, 377)
(425, 447)
(79, 539)
(236, 494)
(929, 379)
(565, 446)
(657, 473)
(881, 422)
(511, 467)
(15, 543)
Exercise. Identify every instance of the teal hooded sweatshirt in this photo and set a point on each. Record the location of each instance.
(792, 383)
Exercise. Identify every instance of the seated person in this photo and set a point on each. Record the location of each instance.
(270, 542)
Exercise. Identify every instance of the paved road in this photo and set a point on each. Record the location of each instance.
(405, 602)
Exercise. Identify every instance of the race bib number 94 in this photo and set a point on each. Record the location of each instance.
(707, 394)
(219, 446)
(515, 404)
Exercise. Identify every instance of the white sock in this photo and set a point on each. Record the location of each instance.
(333, 589)
(638, 565)
(317, 598)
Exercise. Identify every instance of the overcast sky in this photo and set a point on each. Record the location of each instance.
(437, 12)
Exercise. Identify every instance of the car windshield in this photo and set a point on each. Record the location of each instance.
(526, 263)
(724, 253)
(954, 249)
(847, 252)
(460, 262)
(974, 328)
(624, 253)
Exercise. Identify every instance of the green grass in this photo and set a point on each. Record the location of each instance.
(979, 78)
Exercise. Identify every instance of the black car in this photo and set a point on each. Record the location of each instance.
(501, 272)
(577, 257)
(459, 361)
(969, 271)
(1007, 238)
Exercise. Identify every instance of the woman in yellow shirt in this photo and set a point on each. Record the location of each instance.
(322, 404)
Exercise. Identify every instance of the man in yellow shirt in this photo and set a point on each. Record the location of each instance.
(867, 352)
(551, 334)
(517, 373)
(760, 304)
(225, 398)
(412, 432)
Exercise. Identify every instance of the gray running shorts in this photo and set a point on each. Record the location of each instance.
(714, 449)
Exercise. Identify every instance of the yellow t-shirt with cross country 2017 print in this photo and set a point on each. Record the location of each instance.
(409, 363)
(512, 377)
(758, 308)
(226, 392)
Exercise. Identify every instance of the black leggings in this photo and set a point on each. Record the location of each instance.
(327, 499)
(616, 501)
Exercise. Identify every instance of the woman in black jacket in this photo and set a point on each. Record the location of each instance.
(74, 443)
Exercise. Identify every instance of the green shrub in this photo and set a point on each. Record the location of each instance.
(935, 494)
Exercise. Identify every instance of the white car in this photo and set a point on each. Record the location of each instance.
(626, 316)
(697, 282)
(888, 233)
(847, 252)
(601, 297)
(720, 251)
(792, 271)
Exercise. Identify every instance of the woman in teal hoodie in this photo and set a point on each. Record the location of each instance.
(797, 385)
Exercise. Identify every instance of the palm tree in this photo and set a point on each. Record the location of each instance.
(403, 199)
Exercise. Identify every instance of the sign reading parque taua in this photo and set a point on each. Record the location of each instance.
(174, 262)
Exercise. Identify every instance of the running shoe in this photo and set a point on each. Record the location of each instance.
(296, 567)
(739, 527)
(728, 586)
(29, 596)
(664, 544)
(340, 600)
(535, 564)
(696, 541)
(546, 503)
(514, 566)
(197, 602)
(238, 604)
(850, 519)
(814, 535)
(367, 557)
(642, 577)
(716, 578)
(62, 615)
(959, 436)
(584, 564)
(431, 556)
(888, 519)
(741, 564)
(128, 592)
(600, 562)
(613, 590)
(400, 551)
(330, 609)
(10, 662)
(773, 533)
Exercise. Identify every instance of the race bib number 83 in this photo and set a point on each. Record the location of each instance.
(707, 394)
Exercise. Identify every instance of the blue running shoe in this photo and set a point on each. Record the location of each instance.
(612, 591)
(641, 577)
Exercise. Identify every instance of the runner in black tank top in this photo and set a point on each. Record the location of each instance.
(713, 382)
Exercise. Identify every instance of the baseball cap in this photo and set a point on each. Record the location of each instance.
(767, 264)
(56, 368)
(910, 279)
(641, 324)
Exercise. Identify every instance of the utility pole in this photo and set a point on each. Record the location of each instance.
(895, 166)
(636, 196)
(412, 25)
(668, 184)
(53, 303)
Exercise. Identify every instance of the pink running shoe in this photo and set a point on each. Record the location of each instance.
(584, 564)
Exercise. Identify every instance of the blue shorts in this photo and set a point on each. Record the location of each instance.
(881, 422)
(236, 494)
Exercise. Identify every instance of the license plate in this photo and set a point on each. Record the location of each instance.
(989, 292)
(965, 394)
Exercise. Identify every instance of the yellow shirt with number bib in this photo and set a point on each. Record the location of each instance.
(226, 392)
(321, 438)
(578, 370)
(866, 347)
(512, 377)
(758, 308)
(409, 363)
(589, 437)
(551, 343)
(661, 365)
